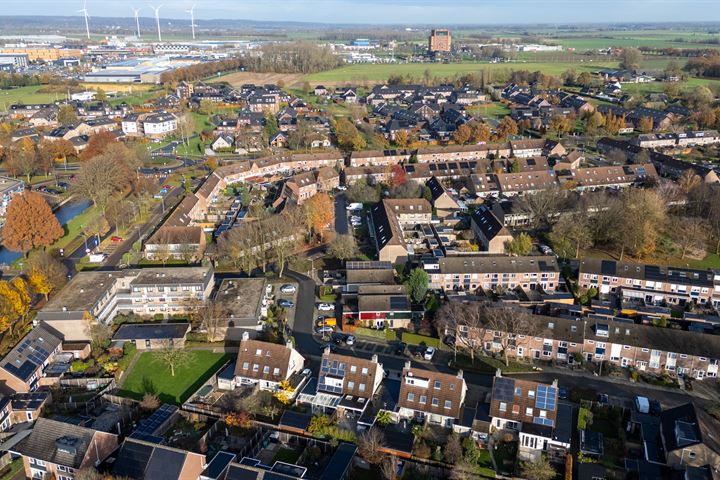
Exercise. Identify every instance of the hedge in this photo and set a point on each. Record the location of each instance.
(415, 339)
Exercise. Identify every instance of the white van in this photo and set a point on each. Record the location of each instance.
(355, 206)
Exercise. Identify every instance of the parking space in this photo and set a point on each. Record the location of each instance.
(284, 294)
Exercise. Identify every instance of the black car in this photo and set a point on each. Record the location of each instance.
(400, 348)
(333, 348)
(449, 341)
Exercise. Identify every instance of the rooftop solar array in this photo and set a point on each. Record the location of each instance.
(132, 460)
(546, 397)
(504, 389)
(149, 427)
(543, 421)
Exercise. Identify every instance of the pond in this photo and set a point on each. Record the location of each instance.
(64, 214)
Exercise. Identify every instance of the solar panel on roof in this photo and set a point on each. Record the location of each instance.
(132, 460)
(165, 464)
(504, 389)
(545, 397)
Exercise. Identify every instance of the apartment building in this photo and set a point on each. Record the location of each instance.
(625, 344)
(468, 273)
(159, 125)
(99, 296)
(651, 284)
(440, 40)
(378, 158)
(429, 396)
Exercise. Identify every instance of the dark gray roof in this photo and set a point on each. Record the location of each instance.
(32, 351)
(58, 442)
(488, 223)
(142, 460)
(151, 331)
(340, 462)
(218, 464)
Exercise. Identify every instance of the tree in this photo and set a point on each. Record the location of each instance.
(630, 58)
(639, 216)
(348, 136)
(100, 178)
(211, 315)
(699, 97)
(53, 271)
(398, 177)
(453, 449)
(96, 227)
(542, 207)
(402, 138)
(594, 122)
(319, 213)
(99, 333)
(361, 192)
(39, 283)
(14, 305)
(539, 469)
(66, 115)
(570, 234)
(645, 124)
(22, 159)
(559, 125)
(98, 144)
(284, 392)
(480, 132)
(462, 135)
(383, 418)
(389, 467)
(370, 444)
(343, 247)
(506, 128)
(458, 319)
(613, 123)
(172, 356)
(512, 324)
(186, 126)
(520, 245)
(150, 402)
(30, 223)
(417, 284)
(690, 233)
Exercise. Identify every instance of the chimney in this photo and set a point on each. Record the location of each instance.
(289, 344)
(408, 363)
(374, 358)
(555, 383)
(246, 336)
(498, 373)
(326, 350)
(460, 374)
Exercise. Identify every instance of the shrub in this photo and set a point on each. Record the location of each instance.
(422, 450)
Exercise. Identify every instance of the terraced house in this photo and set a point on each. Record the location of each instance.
(469, 273)
(431, 396)
(651, 284)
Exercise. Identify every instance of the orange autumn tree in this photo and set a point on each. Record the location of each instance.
(319, 213)
(30, 223)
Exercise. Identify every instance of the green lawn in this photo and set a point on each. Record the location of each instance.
(73, 228)
(490, 110)
(150, 374)
(380, 72)
(26, 95)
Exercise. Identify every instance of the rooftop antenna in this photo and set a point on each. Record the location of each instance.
(85, 14)
(192, 20)
(136, 11)
(157, 20)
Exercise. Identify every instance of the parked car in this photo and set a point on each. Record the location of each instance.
(349, 340)
(287, 288)
(563, 393)
(429, 352)
(115, 238)
(400, 348)
(449, 341)
(328, 345)
(324, 330)
(286, 303)
(355, 206)
(325, 307)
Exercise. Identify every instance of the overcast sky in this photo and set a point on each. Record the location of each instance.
(394, 11)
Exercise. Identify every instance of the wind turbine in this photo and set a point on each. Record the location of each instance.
(192, 19)
(85, 14)
(157, 19)
(137, 19)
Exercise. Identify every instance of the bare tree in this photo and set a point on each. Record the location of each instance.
(508, 326)
(466, 322)
(370, 445)
(212, 315)
(172, 356)
(543, 206)
(343, 247)
(389, 467)
(689, 233)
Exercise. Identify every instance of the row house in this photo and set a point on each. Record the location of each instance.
(623, 343)
(387, 220)
(511, 184)
(430, 396)
(469, 273)
(303, 186)
(378, 158)
(534, 412)
(95, 126)
(345, 384)
(379, 306)
(490, 233)
(682, 139)
(650, 284)
(536, 148)
(462, 152)
(607, 177)
(21, 370)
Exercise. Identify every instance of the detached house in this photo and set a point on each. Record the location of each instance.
(58, 449)
(266, 364)
(431, 396)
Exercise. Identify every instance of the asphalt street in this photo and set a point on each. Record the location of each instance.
(341, 219)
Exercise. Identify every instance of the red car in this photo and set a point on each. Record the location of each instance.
(169, 187)
(115, 238)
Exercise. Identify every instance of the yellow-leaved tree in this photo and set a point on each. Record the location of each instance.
(284, 392)
(40, 282)
(16, 301)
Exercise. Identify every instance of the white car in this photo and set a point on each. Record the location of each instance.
(429, 352)
(355, 206)
(355, 218)
(325, 307)
(342, 188)
(287, 288)
(349, 340)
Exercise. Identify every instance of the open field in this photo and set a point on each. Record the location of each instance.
(151, 375)
(238, 78)
(26, 95)
(636, 38)
(359, 74)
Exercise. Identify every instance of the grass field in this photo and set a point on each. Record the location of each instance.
(359, 74)
(636, 38)
(151, 375)
(26, 95)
